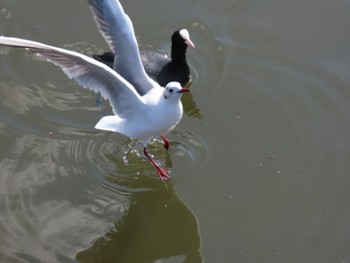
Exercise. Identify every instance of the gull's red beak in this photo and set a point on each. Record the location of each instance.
(184, 90)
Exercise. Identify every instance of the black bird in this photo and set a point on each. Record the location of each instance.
(160, 67)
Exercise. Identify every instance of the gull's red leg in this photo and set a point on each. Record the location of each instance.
(166, 142)
(163, 174)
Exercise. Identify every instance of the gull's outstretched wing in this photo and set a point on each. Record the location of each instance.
(117, 29)
(89, 73)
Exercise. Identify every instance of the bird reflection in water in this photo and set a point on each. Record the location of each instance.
(157, 225)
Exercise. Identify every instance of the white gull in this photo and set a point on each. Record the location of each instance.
(155, 113)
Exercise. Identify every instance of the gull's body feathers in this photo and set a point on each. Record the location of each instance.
(164, 120)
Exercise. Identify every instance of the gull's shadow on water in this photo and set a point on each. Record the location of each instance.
(158, 225)
(190, 106)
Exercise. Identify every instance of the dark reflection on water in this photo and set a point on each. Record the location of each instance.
(94, 187)
(147, 231)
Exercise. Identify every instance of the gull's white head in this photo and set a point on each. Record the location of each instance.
(173, 91)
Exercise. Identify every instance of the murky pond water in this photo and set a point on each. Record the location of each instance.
(259, 163)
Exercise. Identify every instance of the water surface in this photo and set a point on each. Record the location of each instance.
(259, 163)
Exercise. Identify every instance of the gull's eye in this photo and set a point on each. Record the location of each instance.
(171, 90)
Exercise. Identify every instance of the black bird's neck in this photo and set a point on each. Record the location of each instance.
(178, 53)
